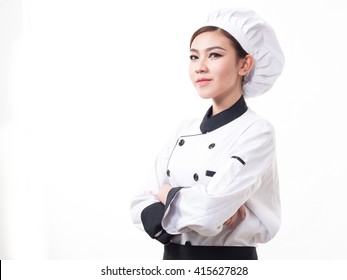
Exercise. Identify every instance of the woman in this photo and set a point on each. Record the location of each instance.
(213, 192)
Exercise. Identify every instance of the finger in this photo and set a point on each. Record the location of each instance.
(231, 220)
(242, 212)
(226, 223)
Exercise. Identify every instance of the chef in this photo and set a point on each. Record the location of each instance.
(213, 192)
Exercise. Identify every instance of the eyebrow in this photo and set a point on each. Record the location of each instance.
(209, 49)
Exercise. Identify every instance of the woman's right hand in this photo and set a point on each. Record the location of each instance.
(240, 214)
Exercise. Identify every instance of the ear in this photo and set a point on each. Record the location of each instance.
(246, 64)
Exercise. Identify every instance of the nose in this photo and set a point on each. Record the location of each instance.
(201, 67)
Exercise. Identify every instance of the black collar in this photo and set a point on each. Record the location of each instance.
(210, 123)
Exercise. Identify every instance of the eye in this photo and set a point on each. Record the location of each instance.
(193, 57)
(214, 55)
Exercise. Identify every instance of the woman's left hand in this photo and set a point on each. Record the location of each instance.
(163, 192)
(240, 214)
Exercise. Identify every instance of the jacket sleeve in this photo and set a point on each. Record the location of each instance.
(146, 210)
(245, 176)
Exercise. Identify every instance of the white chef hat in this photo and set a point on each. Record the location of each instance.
(258, 39)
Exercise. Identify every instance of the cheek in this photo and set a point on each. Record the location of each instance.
(191, 72)
(228, 73)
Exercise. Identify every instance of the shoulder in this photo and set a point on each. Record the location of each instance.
(256, 127)
(188, 127)
(257, 122)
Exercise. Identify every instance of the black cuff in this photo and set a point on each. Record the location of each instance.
(151, 218)
(170, 196)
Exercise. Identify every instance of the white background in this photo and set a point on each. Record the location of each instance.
(90, 90)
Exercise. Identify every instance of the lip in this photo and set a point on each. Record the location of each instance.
(203, 81)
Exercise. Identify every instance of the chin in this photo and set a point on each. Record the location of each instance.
(205, 95)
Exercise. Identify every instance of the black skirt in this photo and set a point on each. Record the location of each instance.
(173, 251)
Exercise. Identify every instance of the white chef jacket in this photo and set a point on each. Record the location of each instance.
(214, 166)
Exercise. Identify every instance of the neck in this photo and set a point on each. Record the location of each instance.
(223, 104)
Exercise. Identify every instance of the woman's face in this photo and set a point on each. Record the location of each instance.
(214, 66)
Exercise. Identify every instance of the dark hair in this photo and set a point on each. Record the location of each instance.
(240, 52)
